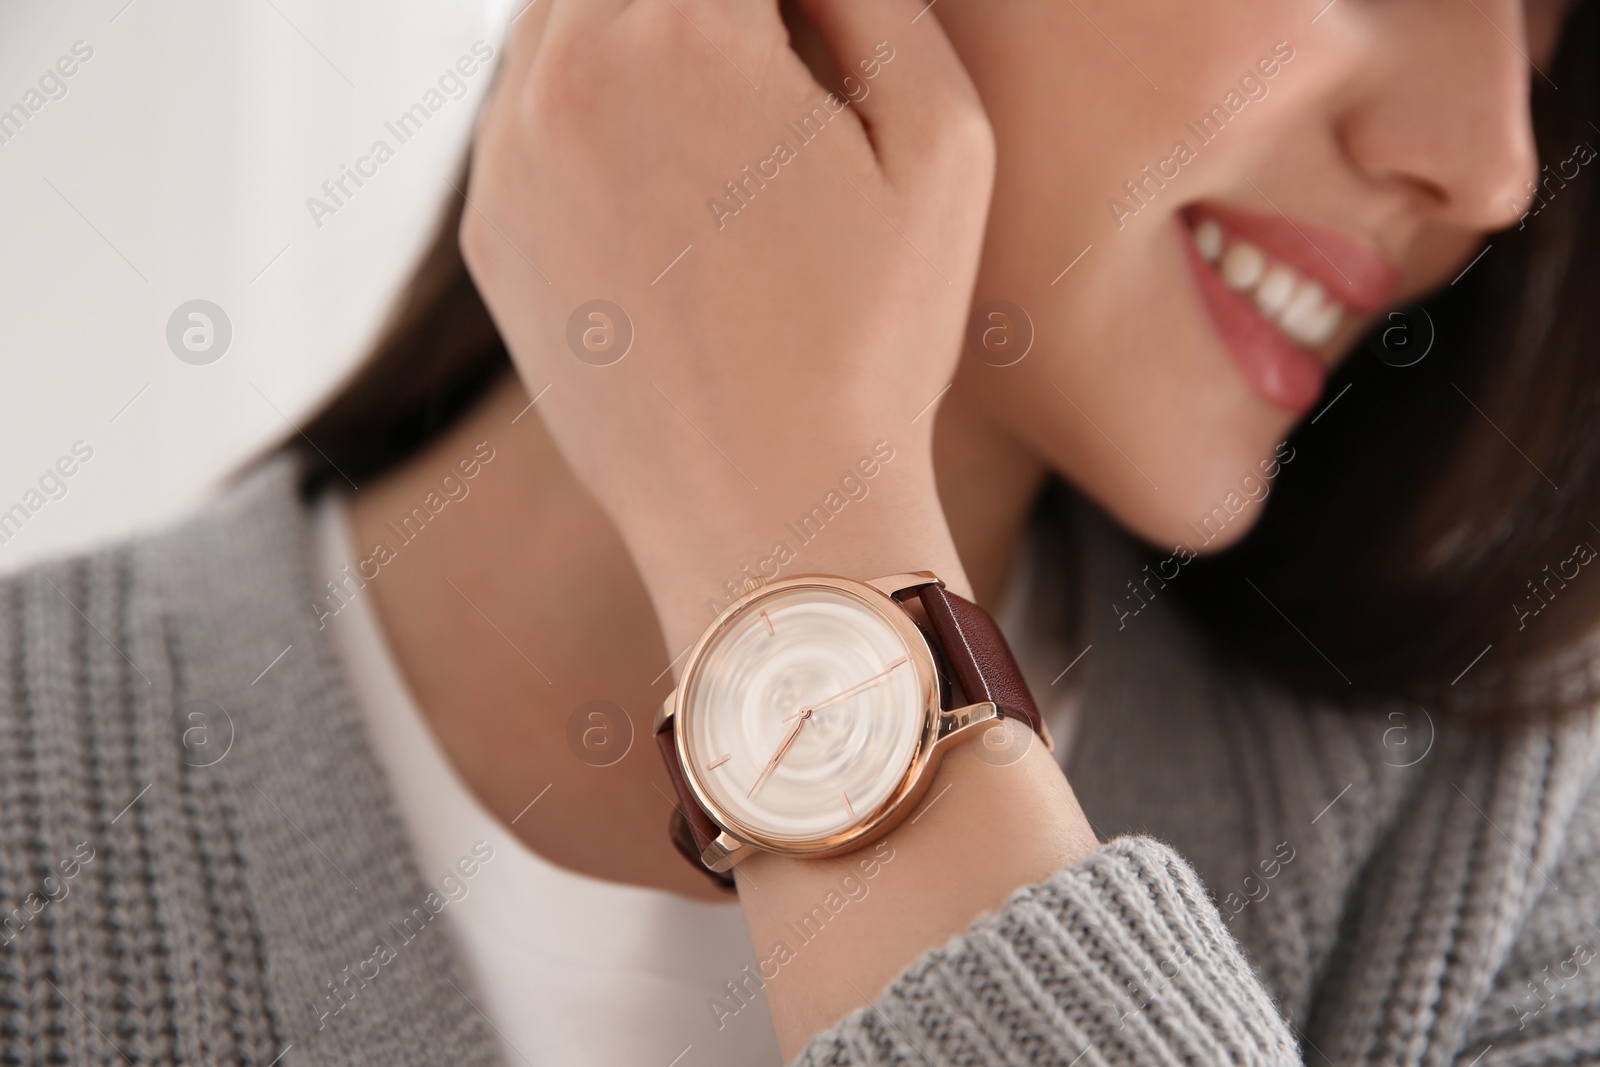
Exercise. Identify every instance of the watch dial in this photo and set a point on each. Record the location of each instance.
(804, 714)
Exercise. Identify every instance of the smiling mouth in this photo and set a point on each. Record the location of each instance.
(1299, 307)
(1279, 291)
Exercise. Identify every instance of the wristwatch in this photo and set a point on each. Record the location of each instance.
(813, 711)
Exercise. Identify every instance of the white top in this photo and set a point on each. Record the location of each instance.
(572, 969)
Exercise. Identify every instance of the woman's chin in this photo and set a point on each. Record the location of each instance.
(1203, 521)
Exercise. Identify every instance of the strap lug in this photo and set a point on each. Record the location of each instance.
(723, 852)
(665, 712)
(890, 584)
(957, 723)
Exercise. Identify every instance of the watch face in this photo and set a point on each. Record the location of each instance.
(804, 712)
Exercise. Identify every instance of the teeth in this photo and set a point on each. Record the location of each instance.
(1321, 324)
(1298, 306)
(1301, 315)
(1273, 294)
(1242, 265)
(1326, 324)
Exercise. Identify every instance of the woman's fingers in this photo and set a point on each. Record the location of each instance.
(524, 33)
(905, 80)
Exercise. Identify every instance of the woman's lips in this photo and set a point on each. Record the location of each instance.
(1281, 372)
(1276, 299)
(1356, 276)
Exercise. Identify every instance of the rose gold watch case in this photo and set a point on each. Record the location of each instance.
(940, 727)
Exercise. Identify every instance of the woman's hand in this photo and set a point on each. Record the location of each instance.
(777, 336)
(793, 267)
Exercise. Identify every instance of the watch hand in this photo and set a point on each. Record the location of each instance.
(794, 731)
(804, 713)
(853, 689)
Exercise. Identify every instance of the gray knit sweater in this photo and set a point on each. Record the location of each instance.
(195, 841)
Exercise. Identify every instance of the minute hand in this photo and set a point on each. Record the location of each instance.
(852, 690)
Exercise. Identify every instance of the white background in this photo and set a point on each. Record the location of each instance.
(176, 167)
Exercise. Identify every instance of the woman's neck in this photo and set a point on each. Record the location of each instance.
(520, 608)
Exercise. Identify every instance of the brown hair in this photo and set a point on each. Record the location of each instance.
(1428, 542)
(1418, 546)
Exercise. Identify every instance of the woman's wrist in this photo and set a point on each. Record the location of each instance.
(704, 556)
(983, 830)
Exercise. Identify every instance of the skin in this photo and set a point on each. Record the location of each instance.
(1403, 125)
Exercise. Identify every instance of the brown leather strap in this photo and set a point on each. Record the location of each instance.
(977, 652)
(961, 632)
(691, 829)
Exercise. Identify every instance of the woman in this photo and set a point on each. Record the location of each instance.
(1043, 299)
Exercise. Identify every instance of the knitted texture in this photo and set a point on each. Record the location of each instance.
(198, 856)
(1117, 959)
(200, 862)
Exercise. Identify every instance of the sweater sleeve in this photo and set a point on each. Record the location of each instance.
(1117, 959)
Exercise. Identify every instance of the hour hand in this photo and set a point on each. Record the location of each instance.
(788, 739)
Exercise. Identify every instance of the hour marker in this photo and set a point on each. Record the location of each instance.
(896, 663)
(845, 797)
(770, 630)
(720, 761)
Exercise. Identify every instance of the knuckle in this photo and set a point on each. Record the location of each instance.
(669, 28)
(965, 133)
(957, 150)
(563, 83)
